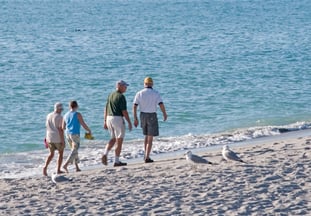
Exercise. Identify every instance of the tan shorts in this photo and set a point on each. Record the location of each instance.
(56, 146)
(116, 126)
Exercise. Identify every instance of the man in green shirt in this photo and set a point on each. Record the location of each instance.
(114, 115)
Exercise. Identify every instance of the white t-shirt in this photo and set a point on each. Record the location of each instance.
(147, 99)
(53, 123)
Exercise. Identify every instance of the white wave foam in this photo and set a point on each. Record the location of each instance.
(31, 163)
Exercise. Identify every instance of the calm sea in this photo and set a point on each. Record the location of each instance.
(228, 70)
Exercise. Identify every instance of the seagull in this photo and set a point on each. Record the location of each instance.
(59, 178)
(228, 154)
(196, 159)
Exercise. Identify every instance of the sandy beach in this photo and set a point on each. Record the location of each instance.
(275, 180)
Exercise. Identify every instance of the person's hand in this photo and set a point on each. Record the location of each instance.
(105, 126)
(135, 123)
(164, 117)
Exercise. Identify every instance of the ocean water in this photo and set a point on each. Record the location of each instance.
(228, 70)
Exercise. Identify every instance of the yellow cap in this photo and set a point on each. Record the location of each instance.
(148, 80)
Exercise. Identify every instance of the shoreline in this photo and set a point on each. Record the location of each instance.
(36, 171)
(274, 181)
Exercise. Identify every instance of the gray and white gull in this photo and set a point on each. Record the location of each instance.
(195, 159)
(228, 154)
(59, 178)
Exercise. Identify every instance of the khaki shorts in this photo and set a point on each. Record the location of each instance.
(116, 126)
(56, 146)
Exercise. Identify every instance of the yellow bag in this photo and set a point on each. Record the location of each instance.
(88, 136)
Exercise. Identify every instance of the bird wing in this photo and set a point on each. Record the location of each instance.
(232, 156)
(197, 159)
(60, 178)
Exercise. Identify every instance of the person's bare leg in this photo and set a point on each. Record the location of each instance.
(47, 162)
(77, 167)
(60, 161)
(65, 167)
(108, 147)
(119, 147)
(148, 146)
(110, 144)
(145, 146)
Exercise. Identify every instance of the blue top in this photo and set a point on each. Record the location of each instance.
(72, 123)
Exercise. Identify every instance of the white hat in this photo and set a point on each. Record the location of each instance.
(122, 83)
(58, 106)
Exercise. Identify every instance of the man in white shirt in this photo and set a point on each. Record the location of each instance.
(147, 100)
(54, 137)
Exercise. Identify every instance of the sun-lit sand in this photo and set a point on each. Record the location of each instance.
(275, 180)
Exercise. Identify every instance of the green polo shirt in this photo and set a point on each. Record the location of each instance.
(116, 103)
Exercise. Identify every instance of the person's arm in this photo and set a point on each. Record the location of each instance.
(83, 123)
(105, 118)
(61, 131)
(46, 122)
(162, 107)
(46, 127)
(127, 118)
(135, 115)
(63, 125)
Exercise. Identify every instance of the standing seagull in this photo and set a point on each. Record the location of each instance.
(196, 159)
(228, 154)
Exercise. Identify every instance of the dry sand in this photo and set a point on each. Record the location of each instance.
(275, 181)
